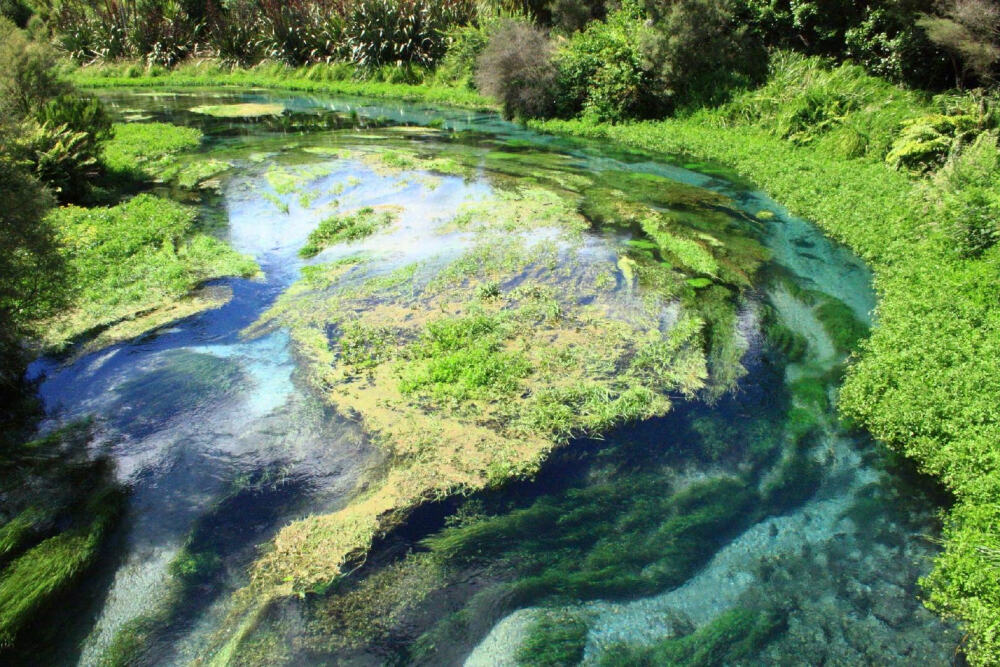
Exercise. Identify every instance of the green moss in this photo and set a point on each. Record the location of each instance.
(555, 639)
(347, 227)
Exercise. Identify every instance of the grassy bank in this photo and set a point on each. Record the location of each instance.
(924, 383)
(411, 85)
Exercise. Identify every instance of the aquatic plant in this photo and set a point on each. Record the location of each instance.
(347, 227)
(735, 635)
(133, 258)
(248, 110)
(181, 380)
(934, 307)
(554, 639)
(143, 147)
(69, 504)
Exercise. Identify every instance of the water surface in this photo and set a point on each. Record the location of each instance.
(660, 531)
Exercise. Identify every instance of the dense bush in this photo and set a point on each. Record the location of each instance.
(517, 69)
(402, 31)
(466, 42)
(838, 109)
(603, 70)
(883, 37)
(637, 63)
(160, 32)
(701, 52)
(28, 77)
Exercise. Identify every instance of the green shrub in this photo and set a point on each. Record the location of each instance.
(61, 158)
(840, 110)
(701, 52)
(925, 143)
(28, 75)
(467, 42)
(16, 11)
(603, 71)
(31, 271)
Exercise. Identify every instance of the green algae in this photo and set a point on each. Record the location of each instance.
(555, 639)
(65, 507)
(733, 637)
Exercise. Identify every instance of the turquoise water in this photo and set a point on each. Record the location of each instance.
(748, 527)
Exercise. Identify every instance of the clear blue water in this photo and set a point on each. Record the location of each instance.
(232, 461)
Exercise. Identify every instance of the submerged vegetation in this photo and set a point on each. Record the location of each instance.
(131, 259)
(58, 513)
(470, 369)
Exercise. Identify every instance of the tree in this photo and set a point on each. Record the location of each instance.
(516, 68)
(969, 30)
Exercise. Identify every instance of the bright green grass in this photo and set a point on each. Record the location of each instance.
(135, 257)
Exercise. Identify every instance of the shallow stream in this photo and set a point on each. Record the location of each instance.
(738, 522)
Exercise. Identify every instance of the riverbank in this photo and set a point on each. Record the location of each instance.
(409, 86)
(922, 383)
